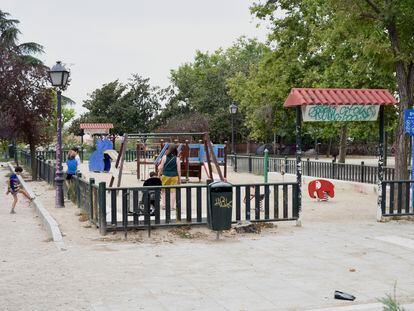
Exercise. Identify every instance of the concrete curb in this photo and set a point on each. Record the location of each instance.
(49, 222)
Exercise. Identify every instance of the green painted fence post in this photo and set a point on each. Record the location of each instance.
(91, 199)
(266, 165)
(102, 208)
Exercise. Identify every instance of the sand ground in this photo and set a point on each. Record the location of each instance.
(339, 247)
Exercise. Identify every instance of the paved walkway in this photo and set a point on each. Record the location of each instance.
(285, 268)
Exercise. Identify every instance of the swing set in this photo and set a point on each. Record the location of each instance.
(195, 157)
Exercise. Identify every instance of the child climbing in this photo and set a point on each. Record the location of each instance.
(14, 188)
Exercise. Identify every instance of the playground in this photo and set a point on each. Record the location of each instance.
(340, 246)
(324, 234)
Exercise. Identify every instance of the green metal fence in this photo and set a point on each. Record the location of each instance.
(332, 170)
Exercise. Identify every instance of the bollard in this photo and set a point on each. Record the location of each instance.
(362, 177)
(102, 208)
(91, 183)
(266, 165)
(235, 162)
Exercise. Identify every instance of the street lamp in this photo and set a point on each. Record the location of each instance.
(59, 78)
(233, 111)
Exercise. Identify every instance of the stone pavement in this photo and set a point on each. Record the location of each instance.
(286, 268)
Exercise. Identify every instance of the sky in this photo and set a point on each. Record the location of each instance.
(104, 40)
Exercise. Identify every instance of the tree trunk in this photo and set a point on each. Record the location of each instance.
(401, 141)
(405, 83)
(342, 144)
(33, 160)
(328, 150)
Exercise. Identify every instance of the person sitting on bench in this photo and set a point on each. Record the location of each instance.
(153, 181)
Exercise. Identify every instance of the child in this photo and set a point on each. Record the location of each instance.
(77, 157)
(14, 188)
(72, 165)
(154, 180)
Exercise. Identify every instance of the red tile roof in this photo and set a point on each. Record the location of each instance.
(317, 96)
(96, 126)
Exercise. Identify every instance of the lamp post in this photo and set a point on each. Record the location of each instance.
(59, 78)
(233, 111)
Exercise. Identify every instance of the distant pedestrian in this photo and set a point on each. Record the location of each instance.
(14, 188)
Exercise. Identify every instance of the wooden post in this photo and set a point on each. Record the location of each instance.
(187, 161)
(120, 161)
(113, 141)
(213, 157)
(121, 164)
(208, 158)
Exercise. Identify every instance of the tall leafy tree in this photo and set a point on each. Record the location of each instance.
(131, 107)
(26, 103)
(201, 85)
(9, 34)
(357, 44)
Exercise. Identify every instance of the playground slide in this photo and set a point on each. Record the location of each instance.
(163, 151)
(112, 153)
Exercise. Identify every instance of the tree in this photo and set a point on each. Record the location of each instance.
(188, 123)
(312, 47)
(202, 85)
(9, 41)
(131, 107)
(392, 22)
(25, 101)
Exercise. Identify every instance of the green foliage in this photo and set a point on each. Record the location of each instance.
(202, 86)
(9, 40)
(25, 99)
(313, 46)
(390, 302)
(130, 107)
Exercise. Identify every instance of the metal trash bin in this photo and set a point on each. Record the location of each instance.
(220, 205)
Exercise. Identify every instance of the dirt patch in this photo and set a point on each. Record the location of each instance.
(256, 227)
(185, 233)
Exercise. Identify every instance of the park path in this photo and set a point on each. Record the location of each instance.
(22, 242)
(284, 268)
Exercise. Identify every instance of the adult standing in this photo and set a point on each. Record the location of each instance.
(170, 171)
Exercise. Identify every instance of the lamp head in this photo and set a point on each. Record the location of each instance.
(58, 75)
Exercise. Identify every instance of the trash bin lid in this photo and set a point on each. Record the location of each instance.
(220, 184)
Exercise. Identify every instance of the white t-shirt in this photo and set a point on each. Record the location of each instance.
(78, 159)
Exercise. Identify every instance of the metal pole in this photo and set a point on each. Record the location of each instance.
(266, 165)
(380, 161)
(299, 160)
(412, 170)
(233, 150)
(59, 168)
(81, 155)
